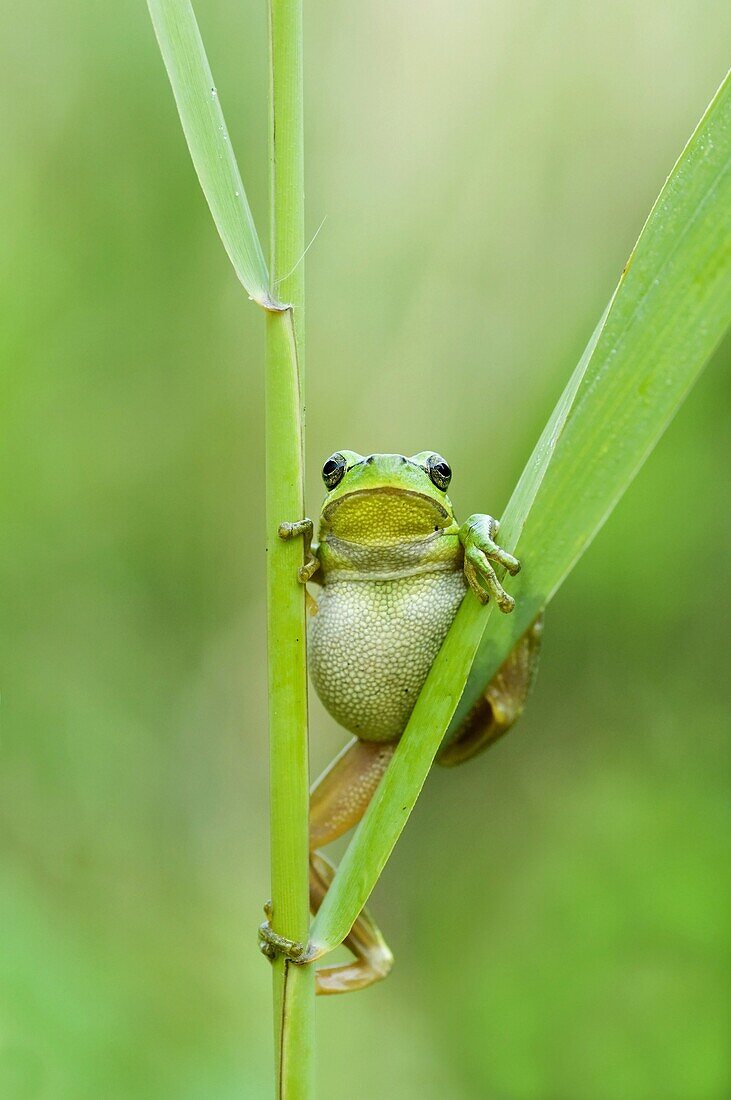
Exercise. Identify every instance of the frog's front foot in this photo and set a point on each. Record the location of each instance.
(477, 535)
(305, 528)
(272, 944)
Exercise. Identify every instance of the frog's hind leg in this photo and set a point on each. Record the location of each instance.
(502, 702)
(338, 801)
(373, 959)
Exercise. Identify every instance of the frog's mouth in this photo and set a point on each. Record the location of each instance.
(385, 515)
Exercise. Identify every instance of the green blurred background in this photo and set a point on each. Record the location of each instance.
(559, 909)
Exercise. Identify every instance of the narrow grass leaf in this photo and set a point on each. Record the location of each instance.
(208, 141)
(670, 309)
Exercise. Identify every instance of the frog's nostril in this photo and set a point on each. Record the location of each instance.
(386, 460)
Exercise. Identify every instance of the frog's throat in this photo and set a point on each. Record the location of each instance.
(384, 515)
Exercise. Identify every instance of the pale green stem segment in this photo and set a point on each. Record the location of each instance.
(205, 130)
(288, 760)
(294, 989)
(670, 309)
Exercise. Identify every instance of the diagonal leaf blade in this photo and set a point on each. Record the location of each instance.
(670, 309)
(210, 148)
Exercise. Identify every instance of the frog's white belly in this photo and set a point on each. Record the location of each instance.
(372, 643)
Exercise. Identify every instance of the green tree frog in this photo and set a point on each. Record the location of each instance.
(392, 566)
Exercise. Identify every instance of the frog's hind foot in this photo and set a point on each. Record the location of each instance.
(338, 801)
(272, 944)
(373, 959)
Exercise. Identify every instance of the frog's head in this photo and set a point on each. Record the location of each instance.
(385, 498)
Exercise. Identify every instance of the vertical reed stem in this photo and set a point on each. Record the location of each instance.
(289, 774)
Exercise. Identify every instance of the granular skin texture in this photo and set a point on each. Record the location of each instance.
(373, 641)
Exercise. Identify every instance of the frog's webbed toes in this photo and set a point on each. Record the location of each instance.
(480, 549)
(483, 580)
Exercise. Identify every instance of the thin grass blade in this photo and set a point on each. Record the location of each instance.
(208, 141)
(670, 309)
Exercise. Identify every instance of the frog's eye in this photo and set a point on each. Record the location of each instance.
(334, 470)
(439, 471)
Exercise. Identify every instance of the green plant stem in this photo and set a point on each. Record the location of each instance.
(289, 772)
